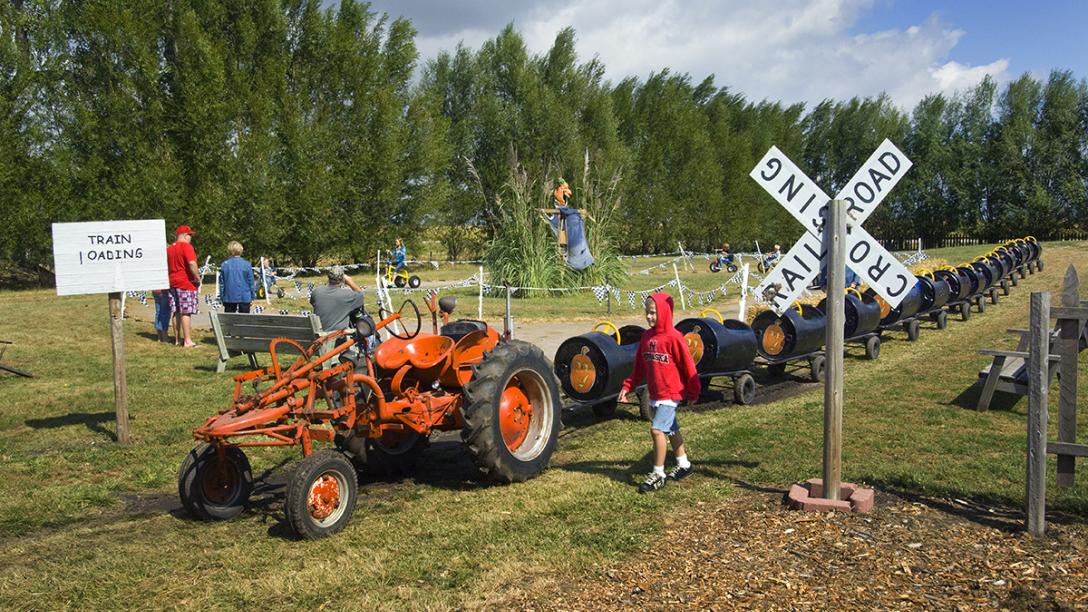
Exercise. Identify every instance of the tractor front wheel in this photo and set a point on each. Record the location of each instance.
(512, 413)
(414, 282)
(211, 488)
(321, 494)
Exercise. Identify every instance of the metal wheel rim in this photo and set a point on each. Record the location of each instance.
(537, 432)
(221, 485)
(317, 499)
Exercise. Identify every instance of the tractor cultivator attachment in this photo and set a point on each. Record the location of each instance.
(378, 409)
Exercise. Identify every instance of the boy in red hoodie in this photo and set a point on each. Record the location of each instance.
(664, 360)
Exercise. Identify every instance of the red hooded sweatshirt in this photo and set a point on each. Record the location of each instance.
(664, 360)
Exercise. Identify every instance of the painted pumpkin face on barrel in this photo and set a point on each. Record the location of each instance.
(885, 307)
(774, 339)
(582, 372)
(695, 344)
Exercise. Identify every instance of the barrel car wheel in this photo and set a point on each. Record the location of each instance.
(993, 295)
(1004, 287)
(321, 494)
(816, 367)
(965, 311)
(512, 413)
(872, 347)
(981, 304)
(776, 370)
(913, 330)
(942, 320)
(211, 488)
(605, 410)
(744, 389)
(645, 407)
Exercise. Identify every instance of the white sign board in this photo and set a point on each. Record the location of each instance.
(798, 194)
(109, 256)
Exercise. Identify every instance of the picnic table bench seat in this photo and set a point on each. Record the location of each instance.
(248, 334)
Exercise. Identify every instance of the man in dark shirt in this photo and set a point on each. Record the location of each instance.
(334, 302)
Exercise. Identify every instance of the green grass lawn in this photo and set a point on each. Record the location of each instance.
(86, 523)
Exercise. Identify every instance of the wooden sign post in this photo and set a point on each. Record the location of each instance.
(835, 241)
(120, 385)
(826, 244)
(111, 257)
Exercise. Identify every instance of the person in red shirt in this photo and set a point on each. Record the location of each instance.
(184, 280)
(665, 362)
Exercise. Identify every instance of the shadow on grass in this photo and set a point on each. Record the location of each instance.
(91, 420)
(995, 511)
(631, 472)
(968, 398)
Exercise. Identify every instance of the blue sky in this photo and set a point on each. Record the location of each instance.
(789, 50)
(1036, 37)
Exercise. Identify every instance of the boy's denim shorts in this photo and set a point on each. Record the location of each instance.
(665, 417)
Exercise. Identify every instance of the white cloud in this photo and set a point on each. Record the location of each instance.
(790, 50)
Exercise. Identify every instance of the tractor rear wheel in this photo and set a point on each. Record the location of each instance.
(214, 489)
(400, 281)
(321, 494)
(512, 413)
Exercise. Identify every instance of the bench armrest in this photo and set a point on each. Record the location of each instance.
(1020, 354)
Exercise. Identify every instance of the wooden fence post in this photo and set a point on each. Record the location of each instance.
(1038, 397)
(1068, 349)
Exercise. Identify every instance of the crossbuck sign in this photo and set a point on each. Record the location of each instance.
(807, 203)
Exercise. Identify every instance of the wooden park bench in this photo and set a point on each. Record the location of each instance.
(1008, 372)
(249, 334)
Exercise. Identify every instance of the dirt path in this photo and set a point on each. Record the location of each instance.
(910, 553)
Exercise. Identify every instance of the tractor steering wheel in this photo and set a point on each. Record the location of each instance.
(404, 315)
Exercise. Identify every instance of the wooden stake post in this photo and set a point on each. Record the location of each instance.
(1067, 347)
(120, 387)
(835, 241)
(1038, 398)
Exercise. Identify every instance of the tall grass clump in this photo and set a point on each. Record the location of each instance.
(601, 201)
(523, 250)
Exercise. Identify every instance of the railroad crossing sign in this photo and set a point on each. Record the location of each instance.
(807, 203)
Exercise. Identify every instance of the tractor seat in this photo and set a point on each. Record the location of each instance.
(462, 327)
(422, 352)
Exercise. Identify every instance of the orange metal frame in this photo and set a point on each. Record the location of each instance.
(288, 413)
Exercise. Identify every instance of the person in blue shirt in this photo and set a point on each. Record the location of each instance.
(236, 288)
(399, 256)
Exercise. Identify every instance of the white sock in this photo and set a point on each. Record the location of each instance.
(659, 470)
(682, 461)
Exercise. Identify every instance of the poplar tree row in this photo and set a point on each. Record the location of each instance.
(314, 133)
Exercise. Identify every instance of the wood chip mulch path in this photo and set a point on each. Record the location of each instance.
(908, 554)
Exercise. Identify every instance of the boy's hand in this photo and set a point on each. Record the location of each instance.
(622, 397)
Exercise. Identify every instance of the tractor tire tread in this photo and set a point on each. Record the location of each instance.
(296, 504)
(481, 434)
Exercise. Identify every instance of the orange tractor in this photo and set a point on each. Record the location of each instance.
(378, 407)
